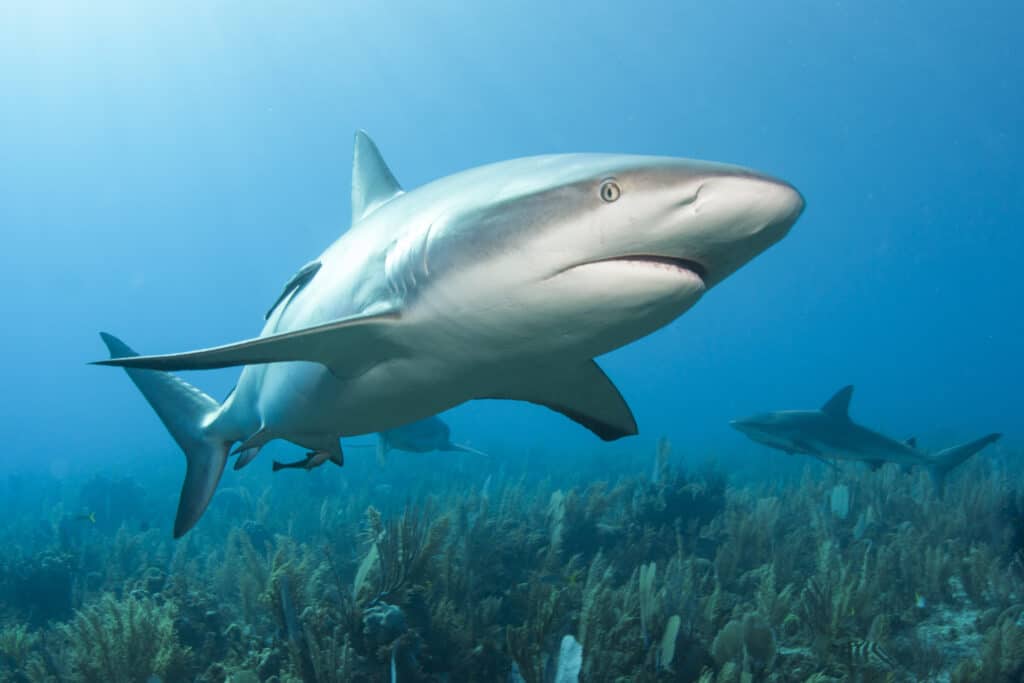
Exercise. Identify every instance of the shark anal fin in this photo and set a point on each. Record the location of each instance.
(584, 394)
(347, 346)
(839, 405)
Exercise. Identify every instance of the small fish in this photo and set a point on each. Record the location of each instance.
(86, 517)
(919, 601)
(868, 653)
(310, 461)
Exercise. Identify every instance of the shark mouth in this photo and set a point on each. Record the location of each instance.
(670, 262)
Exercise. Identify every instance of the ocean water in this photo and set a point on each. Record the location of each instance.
(166, 167)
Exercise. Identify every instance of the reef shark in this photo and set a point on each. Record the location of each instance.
(504, 281)
(423, 436)
(829, 433)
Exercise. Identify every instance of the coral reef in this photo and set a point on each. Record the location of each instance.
(468, 572)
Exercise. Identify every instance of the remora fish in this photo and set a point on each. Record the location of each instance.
(829, 433)
(503, 281)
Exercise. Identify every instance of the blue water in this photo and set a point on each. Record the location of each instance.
(164, 167)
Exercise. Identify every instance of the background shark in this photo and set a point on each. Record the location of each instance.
(503, 281)
(422, 436)
(829, 434)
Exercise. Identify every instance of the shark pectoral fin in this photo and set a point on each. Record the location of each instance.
(912, 442)
(584, 394)
(347, 346)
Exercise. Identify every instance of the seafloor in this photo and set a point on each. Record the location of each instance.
(447, 567)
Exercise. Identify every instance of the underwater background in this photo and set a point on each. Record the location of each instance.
(165, 167)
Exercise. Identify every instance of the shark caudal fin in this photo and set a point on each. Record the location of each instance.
(943, 462)
(184, 410)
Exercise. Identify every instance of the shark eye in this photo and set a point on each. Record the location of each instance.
(610, 191)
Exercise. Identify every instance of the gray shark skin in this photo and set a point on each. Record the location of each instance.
(829, 434)
(504, 281)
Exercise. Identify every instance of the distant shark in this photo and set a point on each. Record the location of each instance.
(503, 281)
(423, 436)
(830, 434)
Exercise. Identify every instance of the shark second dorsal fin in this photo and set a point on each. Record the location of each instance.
(839, 405)
(373, 184)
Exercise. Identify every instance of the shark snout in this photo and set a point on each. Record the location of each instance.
(782, 205)
(740, 425)
(743, 214)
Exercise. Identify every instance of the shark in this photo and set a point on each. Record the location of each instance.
(423, 436)
(503, 281)
(829, 434)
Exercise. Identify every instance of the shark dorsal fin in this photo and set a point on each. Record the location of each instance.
(839, 405)
(912, 442)
(373, 183)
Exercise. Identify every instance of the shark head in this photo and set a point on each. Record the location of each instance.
(602, 248)
(781, 430)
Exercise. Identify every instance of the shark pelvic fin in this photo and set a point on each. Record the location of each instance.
(186, 412)
(839, 405)
(584, 394)
(373, 184)
(347, 346)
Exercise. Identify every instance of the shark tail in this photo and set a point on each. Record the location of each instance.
(945, 461)
(188, 414)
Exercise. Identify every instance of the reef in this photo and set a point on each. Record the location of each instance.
(468, 570)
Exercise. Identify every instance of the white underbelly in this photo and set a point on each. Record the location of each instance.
(299, 400)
